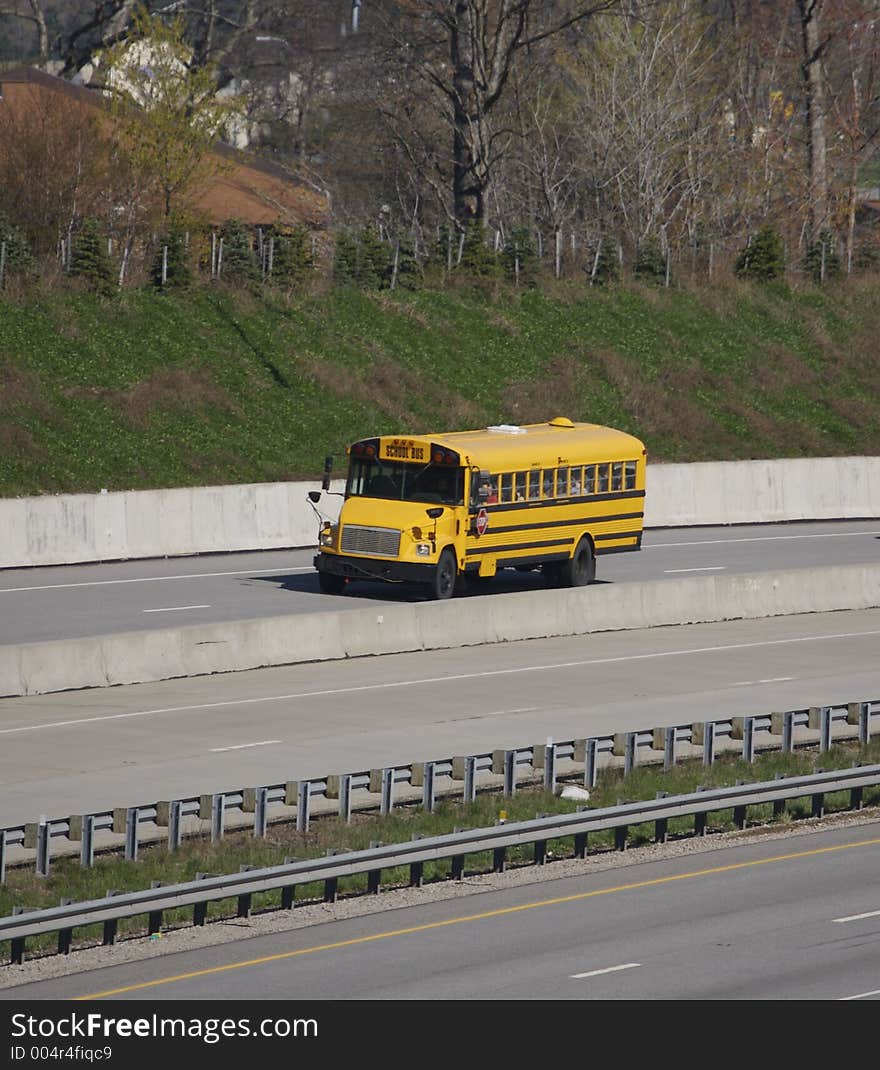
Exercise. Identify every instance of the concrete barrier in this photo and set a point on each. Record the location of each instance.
(138, 657)
(66, 529)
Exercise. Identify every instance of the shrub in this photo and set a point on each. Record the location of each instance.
(650, 264)
(605, 265)
(239, 261)
(18, 257)
(763, 258)
(478, 256)
(292, 257)
(178, 270)
(90, 259)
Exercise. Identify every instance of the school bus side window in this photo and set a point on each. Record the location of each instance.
(534, 485)
(561, 482)
(617, 475)
(603, 479)
(547, 485)
(506, 487)
(630, 475)
(520, 486)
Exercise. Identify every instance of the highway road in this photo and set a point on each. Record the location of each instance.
(101, 599)
(795, 917)
(84, 751)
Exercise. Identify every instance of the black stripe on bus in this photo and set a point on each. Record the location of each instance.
(579, 499)
(520, 546)
(512, 562)
(566, 523)
(601, 551)
(616, 535)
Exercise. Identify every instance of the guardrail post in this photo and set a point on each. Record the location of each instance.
(111, 924)
(470, 778)
(331, 889)
(131, 833)
(855, 796)
(65, 936)
(87, 843)
(174, 830)
(218, 809)
(154, 917)
(700, 819)
(457, 869)
(591, 763)
(749, 740)
(669, 741)
(550, 767)
(709, 743)
(428, 788)
(860, 713)
(783, 724)
(288, 892)
(510, 772)
(43, 848)
(499, 859)
(739, 812)
(261, 815)
(416, 869)
(779, 804)
(818, 805)
(620, 838)
(629, 758)
(200, 910)
(2, 856)
(820, 718)
(17, 943)
(387, 802)
(303, 799)
(661, 825)
(345, 798)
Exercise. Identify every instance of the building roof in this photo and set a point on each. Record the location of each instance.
(246, 187)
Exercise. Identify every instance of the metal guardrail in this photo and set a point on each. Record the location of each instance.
(153, 902)
(377, 786)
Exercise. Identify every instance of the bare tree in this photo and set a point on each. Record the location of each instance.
(814, 47)
(463, 53)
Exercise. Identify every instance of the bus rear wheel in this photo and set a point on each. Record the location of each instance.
(331, 583)
(580, 569)
(443, 584)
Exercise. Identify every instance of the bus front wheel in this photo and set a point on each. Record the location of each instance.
(580, 569)
(443, 583)
(330, 583)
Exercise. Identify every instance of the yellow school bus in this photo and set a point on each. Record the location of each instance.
(442, 509)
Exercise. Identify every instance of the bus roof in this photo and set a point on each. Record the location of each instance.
(507, 446)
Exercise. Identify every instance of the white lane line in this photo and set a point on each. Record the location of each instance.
(244, 746)
(441, 680)
(706, 568)
(759, 538)
(769, 680)
(608, 969)
(173, 609)
(157, 579)
(857, 917)
(861, 995)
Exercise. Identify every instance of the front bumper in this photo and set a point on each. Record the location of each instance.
(367, 568)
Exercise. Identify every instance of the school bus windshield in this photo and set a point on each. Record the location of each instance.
(403, 481)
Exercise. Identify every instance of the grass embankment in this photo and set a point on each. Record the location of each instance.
(143, 390)
(68, 879)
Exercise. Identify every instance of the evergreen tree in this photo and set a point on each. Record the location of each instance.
(519, 258)
(650, 265)
(345, 259)
(410, 275)
(18, 259)
(239, 261)
(292, 257)
(90, 259)
(177, 266)
(478, 257)
(605, 267)
(763, 258)
(373, 268)
(823, 247)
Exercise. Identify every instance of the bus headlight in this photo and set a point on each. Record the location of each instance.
(423, 549)
(327, 534)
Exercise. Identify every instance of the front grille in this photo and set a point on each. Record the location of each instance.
(384, 542)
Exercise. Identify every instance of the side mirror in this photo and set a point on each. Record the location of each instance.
(435, 513)
(328, 470)
(314, 496)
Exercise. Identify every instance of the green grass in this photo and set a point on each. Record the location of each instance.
(68, 879)
(143, 390)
